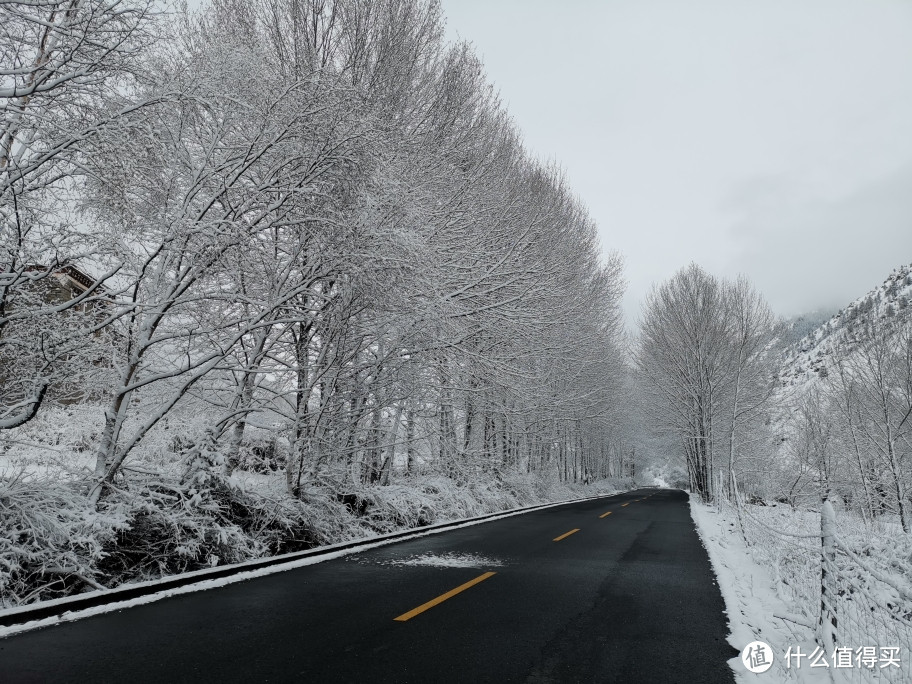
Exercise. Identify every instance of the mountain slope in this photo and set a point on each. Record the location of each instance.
(887, 303)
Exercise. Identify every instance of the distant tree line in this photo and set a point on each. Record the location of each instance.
(709, 359)
(705, 362)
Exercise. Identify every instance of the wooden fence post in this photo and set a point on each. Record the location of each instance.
(827, 623)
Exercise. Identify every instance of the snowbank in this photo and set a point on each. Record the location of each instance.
(752, 602)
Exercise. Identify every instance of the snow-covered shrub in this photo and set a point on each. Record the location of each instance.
(172, 529)
(206, 520)
(180, 511)
(50, 541)
(261, 454)
(426, 500)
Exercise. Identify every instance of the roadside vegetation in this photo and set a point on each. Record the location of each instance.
(278, 273)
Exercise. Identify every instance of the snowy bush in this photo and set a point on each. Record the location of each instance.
(51, 543)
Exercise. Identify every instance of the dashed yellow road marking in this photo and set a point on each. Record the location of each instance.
(624, 504)
(605, 515)
(443, 597)
(566, 534)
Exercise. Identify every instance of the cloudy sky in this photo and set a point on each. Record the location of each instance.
(771, 138)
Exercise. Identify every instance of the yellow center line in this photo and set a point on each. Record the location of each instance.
(605, 515)
(624, 504)
(443, 597)
(566, 534)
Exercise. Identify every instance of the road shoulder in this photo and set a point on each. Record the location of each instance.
(749, 593)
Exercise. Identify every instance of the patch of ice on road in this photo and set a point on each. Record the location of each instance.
(447, 560)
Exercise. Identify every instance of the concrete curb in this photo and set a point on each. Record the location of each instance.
(57, 607)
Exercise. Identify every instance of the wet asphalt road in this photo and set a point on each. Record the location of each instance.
(629, 597)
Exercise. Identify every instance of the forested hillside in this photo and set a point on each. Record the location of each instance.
(847, 388)
(272, 274)
(848, 328)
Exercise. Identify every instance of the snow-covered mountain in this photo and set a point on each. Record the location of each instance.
(888, 302)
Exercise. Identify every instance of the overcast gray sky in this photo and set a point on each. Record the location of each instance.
(771, 138)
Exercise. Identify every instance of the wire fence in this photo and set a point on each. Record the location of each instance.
(848, 582)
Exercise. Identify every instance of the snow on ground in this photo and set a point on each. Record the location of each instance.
(752, 602)
(446, 560)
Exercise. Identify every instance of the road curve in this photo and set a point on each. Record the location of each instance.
(611, 590)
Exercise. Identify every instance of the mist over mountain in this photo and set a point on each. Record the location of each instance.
(798, 327)
(815, 338)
